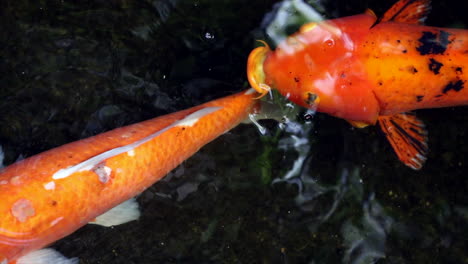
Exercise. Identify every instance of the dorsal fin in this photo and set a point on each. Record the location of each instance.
(407, 11)
(408, 137)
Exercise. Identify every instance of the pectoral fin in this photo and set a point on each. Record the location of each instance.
(408, 137)
(358, 124)
(122, 213)
(45, 256)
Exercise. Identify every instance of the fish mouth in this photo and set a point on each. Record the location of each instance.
(255, 72)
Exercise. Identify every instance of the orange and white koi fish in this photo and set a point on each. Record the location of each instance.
(368, 70)
(50, 195)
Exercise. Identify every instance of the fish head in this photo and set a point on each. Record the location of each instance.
(315, 68)
(305, 66)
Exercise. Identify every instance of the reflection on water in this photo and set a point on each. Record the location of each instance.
(311, 189)
(287, 17)
(365, 240)
(364, 235)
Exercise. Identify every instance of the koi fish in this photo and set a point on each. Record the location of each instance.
(50, 195)
(370, 70)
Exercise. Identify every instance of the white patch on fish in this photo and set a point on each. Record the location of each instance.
(326, 85)
(50, 185)
(3, 182)
(193, 118)
(89, 164)
(126, 135)
(22, 210)
(103, 172)
(55, 221)
(250, 91)
(15, 180)
(349, 44)
(131, 153)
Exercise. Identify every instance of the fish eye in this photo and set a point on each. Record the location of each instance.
(329, 42)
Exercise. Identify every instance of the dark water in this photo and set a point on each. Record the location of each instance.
(75, 69)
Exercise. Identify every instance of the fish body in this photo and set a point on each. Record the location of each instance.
(368, 70)
(50, 195)
(416, 67)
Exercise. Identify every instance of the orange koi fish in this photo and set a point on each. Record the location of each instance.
(52, 194)
(366, 70)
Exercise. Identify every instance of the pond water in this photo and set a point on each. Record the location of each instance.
(308, 191)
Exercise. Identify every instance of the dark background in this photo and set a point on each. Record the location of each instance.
(73, 69)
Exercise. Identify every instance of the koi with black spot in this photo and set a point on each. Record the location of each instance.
(371, 70)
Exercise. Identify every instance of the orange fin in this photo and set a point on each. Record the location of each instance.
(358, 124)
(408, 137)
(408, 11)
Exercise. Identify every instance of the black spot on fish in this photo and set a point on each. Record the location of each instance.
(296, 79)
(412, 69)
(310, 98)
(53, 203)
(380, 83)
(435, 66)
(439, 95)
(398, 41)
(404, 51)
(459, 70)
(431, 43)
(456, 86)
(419, 98)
